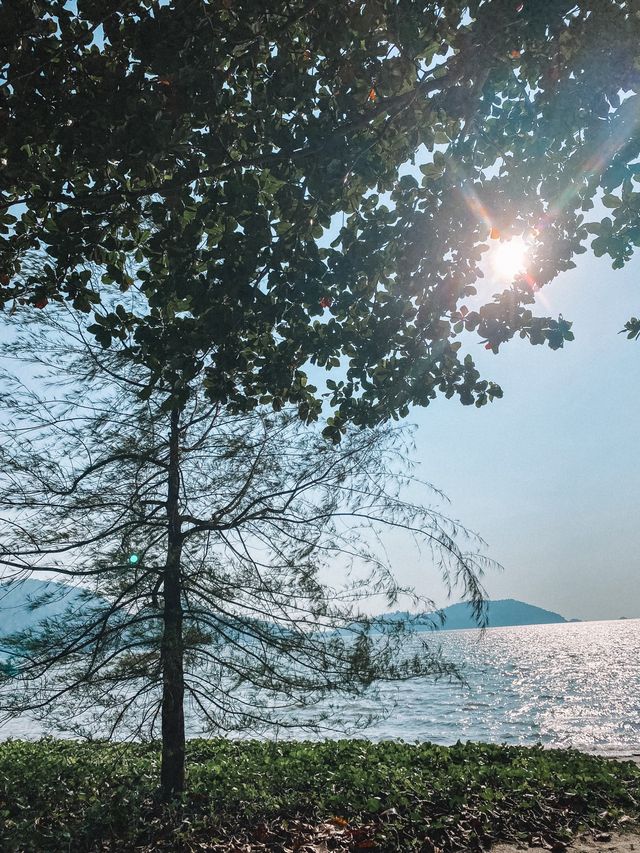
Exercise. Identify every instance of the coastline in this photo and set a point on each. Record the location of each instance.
(633, 756)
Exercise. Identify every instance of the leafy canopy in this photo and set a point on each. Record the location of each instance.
(248, 167)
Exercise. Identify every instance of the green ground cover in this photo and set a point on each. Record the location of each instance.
(342, 795)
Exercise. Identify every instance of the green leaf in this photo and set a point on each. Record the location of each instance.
(612, 201)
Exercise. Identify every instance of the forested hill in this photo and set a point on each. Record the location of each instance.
(17, 611)
(501, 614)
(18, 600)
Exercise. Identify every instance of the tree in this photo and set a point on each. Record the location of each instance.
(201, 543)
(201, 157)
(202, 152)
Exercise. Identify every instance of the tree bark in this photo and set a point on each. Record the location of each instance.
(172, 771)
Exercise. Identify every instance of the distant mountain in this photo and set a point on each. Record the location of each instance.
(17, 611)
(503, 613)
(17, 600)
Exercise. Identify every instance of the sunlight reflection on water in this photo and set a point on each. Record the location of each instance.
(567, 685)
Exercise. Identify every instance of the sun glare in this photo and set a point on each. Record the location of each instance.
(509, 258)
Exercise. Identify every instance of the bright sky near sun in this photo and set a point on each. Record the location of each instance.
(550, 474)
(507, 258)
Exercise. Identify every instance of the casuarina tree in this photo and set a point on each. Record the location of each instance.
(223, 563)
(245, 196)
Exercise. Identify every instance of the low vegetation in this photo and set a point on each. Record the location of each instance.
(337, 795)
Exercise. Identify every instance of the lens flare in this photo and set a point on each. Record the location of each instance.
(508, 259)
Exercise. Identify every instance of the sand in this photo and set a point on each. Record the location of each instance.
(633, 756)
(603, 842)
(625, 843)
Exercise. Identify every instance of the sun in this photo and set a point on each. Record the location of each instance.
(508, 259)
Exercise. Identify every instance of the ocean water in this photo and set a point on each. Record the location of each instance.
(568, 685)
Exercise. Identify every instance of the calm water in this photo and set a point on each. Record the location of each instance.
(570, 685)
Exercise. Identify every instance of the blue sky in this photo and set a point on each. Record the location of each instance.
(550, 474)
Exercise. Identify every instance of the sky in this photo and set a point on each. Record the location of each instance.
(549, 476)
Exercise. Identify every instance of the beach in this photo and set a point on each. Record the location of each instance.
(609, 842)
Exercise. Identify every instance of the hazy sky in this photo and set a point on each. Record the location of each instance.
(550, 474)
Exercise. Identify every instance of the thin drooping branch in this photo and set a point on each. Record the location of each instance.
(228, 557)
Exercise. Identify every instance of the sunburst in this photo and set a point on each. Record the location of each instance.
(508, 259)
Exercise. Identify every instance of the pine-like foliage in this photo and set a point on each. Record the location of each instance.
(280, 550)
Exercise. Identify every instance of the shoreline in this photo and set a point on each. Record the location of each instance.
(632, 756)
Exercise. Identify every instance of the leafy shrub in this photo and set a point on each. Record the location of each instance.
(57, 795)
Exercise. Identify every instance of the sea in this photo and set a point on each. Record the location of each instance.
(562, 685)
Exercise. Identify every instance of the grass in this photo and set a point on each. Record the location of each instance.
(348, 795)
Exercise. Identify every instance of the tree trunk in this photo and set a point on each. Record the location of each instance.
(172, 772)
